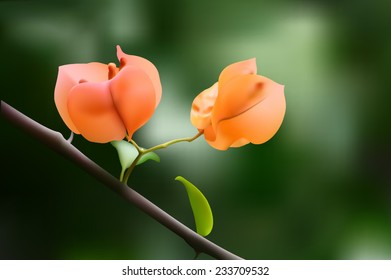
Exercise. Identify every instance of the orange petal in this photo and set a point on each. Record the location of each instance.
(134, 97)
(237, 96)
(244, 67)
(201, 109)
(209, 133)
(69, 76)
(262, 122)
(92, 111)
(220, 143)
(147, 67)
(258, 124)
(239, 143)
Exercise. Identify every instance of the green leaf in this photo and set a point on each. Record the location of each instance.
(127, 153)
(148, 156)
(201, 209)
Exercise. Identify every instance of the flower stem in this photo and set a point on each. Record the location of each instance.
(142, 151)
(130, 169)
(169, 143)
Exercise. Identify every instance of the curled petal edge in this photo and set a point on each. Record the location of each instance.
(201, 109)
(146, 66)
(245, 67)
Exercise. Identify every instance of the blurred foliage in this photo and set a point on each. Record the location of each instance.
(320, 189)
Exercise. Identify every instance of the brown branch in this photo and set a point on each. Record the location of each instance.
(56, 141)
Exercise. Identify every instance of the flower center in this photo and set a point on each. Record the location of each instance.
(113, 70)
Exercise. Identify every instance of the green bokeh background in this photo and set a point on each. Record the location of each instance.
(320, 189)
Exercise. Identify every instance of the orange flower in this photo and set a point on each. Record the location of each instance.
(105, 103)
(242, 107)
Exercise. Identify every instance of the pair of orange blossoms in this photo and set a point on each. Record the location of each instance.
(104, 103)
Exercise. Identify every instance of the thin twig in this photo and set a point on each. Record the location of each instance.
(169, 143)
(142, 151)
(56, 141)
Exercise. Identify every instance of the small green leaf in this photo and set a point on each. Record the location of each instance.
(201, 209)
(127, 153)
(148, 156)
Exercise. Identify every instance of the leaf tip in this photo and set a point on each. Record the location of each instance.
(179, 178)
